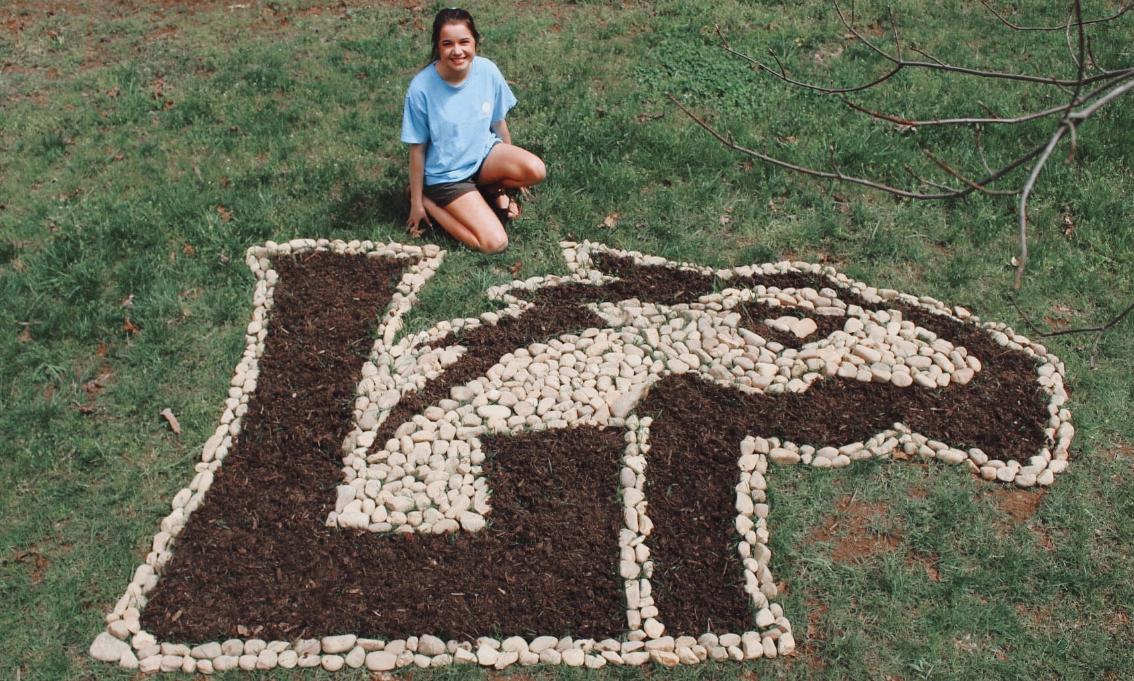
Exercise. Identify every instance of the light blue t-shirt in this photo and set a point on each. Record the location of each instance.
(453, 121)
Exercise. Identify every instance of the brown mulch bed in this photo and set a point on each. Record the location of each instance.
(256, 559)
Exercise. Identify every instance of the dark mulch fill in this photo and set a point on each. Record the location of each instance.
(256, 560)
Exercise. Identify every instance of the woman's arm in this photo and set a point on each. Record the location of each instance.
(416, 183)
(501, 129)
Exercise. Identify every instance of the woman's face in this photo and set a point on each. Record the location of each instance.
(456, 48)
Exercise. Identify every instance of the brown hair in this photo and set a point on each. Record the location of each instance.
(452, 15)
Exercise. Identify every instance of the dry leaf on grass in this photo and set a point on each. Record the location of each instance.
(610, 220)
(516, 267)
(128, 301)
(224, 213)
(167, 414)
(1068, 225)
(130, 327)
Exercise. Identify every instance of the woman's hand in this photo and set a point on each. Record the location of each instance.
(417, 216)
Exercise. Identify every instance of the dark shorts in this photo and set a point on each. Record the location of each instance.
(446, 192)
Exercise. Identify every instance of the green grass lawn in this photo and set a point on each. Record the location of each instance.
(143, 150)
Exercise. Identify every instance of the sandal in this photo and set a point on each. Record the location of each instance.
(510, 210)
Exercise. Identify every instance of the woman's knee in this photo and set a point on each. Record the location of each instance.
(494, 242)
(536, 170)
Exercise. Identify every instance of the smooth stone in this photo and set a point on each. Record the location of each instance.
(430, 645)
(550, 656)
(462, 656)
(388, 399)
(573, 657)
(542, 643)
(332, 663)
(506, 658)
(486, 656)
(224, 663)
(267, 659)
(356, 657)
(206, 651)
(472, 522)
(233, 647)
(381, 661)
(338, 644)
(493, 411)
(665, 658)
(653, 628)
(107, 648)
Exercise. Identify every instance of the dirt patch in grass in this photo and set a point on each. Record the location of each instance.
(858, 530)
(1020, 504)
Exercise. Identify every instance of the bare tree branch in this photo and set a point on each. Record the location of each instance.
(1108, 86)
(1100, 330)
(973, 120)
(1017, 27)
(952, 193)
(938, 65)
(1022, 259)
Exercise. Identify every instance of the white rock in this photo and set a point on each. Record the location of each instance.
(573, 657)
(493, 411)
(472, 522)
(108, 648)
(356, 657)
(542, 643)
(430, 645)
(388, 399)
(665, 658)
(550, 656)
(486, 656)
(336, 644)
(332, 663)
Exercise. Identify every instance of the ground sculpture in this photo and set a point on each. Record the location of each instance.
(579, 478)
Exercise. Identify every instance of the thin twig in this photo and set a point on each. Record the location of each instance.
(1100, 20)
(1090, 329)
(1101, 330)
(977, 129)
(955, 173)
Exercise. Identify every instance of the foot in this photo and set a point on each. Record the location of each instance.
(504, 205)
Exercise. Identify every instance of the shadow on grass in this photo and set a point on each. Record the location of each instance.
(366, 206)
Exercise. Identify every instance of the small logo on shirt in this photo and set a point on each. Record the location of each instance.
(485, 109)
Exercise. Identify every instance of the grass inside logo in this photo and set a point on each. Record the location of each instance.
(578, 479)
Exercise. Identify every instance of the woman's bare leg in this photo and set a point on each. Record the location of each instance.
(510, 167)
(471, 221)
